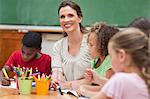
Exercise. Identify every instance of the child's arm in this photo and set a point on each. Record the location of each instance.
(100, 95)
(88, 90)
(75, 84)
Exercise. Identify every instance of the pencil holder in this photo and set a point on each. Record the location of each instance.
(42, 87)
(25, 86)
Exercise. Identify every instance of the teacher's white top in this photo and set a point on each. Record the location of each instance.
(73, 66)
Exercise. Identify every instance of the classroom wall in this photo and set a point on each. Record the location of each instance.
(47, 45)
(48, 41)
(44, 12)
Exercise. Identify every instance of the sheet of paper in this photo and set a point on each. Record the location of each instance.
(71, 92)
(83, 97)
(13, 85)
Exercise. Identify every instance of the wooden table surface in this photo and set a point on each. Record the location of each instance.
(8, 93)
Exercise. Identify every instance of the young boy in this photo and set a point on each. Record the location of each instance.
(28, 57)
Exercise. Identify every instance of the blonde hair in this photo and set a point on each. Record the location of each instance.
(135, 43)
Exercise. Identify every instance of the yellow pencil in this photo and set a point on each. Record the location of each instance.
(30, 70)
(39, 77)
(5, 73)
(26, 72)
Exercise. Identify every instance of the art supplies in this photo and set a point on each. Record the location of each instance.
(23, 72)
(25, 86)
(42, 84)
(24, 80)
(34, 74)
(30, 70)
(5, 73)
(26, 72)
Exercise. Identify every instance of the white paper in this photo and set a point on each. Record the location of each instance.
(71, 91)
(13, 85)
(83, 98)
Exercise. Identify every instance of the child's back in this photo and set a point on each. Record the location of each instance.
(126, 86)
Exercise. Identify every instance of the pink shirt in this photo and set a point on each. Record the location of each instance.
(126, 86)
(43, 63)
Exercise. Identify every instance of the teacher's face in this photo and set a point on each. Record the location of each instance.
(69, 20)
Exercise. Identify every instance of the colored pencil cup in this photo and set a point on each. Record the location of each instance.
(25, 86)
(42, 87)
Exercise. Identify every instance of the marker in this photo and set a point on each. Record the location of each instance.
(34, 74)
(5, 73)
(59, 89)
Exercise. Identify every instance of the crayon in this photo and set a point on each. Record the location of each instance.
(5, 73)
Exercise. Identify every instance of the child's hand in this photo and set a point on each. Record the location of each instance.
(88, 75)
(5, 82)
(91, 76)
(78, 92)
(81, 91)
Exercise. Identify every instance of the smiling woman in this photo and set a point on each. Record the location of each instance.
(71, 52)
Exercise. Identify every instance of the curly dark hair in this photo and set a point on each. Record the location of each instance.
(103, 33)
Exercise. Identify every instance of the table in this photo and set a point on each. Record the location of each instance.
(10, 93)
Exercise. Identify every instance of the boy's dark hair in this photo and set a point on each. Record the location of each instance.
(32, 39)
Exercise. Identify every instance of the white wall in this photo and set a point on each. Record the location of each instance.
(47, 46)
(48, 41)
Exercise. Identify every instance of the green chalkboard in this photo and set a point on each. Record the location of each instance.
(34, 12)
(44, 12)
